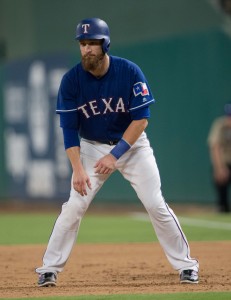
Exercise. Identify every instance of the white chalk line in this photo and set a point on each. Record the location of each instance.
(188, 221)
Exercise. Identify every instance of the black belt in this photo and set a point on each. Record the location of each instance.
(111, 143)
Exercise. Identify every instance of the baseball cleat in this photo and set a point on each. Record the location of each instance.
(47, 279)
(189, 276)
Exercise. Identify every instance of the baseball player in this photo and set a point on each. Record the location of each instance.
(103, 103)
(219, 142)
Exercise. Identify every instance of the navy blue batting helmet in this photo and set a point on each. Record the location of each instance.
(94, 29)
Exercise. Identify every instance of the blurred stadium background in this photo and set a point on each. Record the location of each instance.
(184, 49)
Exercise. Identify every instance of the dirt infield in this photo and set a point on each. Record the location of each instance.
(96, 269)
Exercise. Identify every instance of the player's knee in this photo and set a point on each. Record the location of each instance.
(152, 201)
(72, 213)
(79, 207)
(160, 213)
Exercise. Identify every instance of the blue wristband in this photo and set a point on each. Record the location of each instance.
(120, 149)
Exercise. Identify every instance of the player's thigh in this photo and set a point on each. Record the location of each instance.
(146, 183)
(141, 170)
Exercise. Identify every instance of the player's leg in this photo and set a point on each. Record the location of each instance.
(66, 227)
(222, 196)
(139, 167)
(222, 190)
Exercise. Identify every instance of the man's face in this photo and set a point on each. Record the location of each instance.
(92, 54)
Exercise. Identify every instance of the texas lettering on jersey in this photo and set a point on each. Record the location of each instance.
(102, 107)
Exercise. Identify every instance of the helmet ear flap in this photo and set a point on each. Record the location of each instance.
(106, 45)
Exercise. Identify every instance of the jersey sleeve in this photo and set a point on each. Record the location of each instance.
(66, 101)
(67, 109)
(141, 113)
(70, 138)
(141, 95)
(70, 127)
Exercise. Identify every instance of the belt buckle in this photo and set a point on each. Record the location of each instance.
(111, 143)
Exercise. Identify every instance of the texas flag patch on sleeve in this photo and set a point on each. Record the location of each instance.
(140, 88)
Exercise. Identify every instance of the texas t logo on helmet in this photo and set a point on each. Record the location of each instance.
(85, 28)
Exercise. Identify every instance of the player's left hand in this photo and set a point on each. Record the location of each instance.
(106, 165)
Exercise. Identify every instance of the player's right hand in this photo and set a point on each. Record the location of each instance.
(81, 181)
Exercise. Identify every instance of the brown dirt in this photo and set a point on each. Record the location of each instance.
(103, 269)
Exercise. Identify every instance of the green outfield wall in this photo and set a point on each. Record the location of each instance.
(183, 48)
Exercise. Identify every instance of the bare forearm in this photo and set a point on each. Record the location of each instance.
(73, 154)
(216, 157)
(221, 172)
(134, 130)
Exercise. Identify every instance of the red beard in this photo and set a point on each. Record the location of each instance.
(92, 62)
